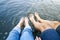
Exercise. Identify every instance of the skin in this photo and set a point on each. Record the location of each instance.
(21, 22)
(39, 25)
(38, 38)
(53, 24)
(26, 21)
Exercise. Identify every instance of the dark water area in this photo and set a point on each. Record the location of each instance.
(12, 10)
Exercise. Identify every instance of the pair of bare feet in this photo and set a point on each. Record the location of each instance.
(23, 21)
(40, 24)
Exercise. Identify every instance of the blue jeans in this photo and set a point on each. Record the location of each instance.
(49, 34)
(26, 34)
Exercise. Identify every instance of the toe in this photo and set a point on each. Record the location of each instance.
(36, 14)
(31, 17)
(38, 18)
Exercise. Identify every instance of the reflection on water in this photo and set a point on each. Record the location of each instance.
(12, 10)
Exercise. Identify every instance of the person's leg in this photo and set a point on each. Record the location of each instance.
(53, 24)
(58, 29)
(14, 34)
(27, 32)
(47, 32)
(35, 23)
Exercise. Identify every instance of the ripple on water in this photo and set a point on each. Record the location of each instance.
(12, 10)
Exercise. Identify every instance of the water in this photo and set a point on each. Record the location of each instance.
(12, 10)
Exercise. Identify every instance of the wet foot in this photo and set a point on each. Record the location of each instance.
(36, 24)
(53, 24)
(26, 21)
(31, 17)
(38, 18)
(21, 22)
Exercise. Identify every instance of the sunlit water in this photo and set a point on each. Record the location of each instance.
(12, 10)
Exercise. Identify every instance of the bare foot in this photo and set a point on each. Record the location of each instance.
(36, 24)
(38, 18)
(31, 17)
(39, 26)
(53, 24)
(21, 22)
(26, 21)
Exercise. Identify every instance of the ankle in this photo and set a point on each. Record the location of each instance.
(45, 29)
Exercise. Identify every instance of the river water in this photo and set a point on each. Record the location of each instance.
(12, 10)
